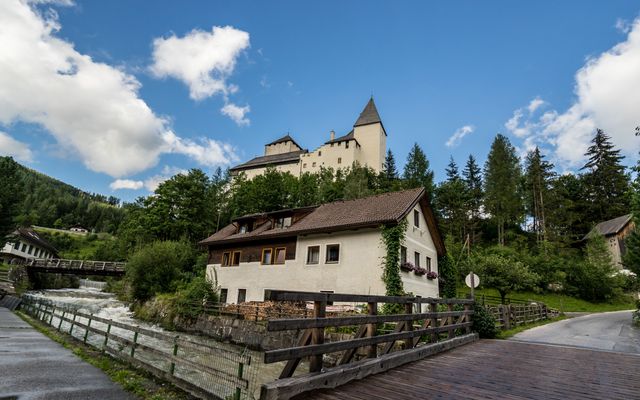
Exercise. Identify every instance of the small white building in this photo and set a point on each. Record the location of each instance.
(79, 229)
(25, 243)
(336, 247)
(365, 144)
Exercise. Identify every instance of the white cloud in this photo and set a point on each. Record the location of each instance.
(126, 184)
(14, 148)
(607, 92)
(208, 152)
(622, 25)
(535, 104)
(92, 109)
(458, 135)
(236, 113)
(202, 60)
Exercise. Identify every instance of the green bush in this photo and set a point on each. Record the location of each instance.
(193, 296)
(158, 268)
(483, 322)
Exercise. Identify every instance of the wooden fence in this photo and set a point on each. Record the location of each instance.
(82, 267)
(508, 316)
(421, 333)
(204, 371)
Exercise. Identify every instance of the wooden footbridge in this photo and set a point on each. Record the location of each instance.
(387, 357)
(75, 267)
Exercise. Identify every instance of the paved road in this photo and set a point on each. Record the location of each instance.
(33, 367)
(612, 331)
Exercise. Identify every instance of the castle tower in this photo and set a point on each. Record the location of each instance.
(372, 137)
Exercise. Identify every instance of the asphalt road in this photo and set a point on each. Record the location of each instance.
(612, 331)
(33, 367)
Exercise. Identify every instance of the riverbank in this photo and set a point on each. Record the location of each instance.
(34, 366)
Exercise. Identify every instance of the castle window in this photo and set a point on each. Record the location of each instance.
(304, 165)
(319, 153)
(313, 165)
(346, 145)
(339, 160)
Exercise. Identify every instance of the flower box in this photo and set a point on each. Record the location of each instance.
(407, 267)
(432, 275)
(419, 271)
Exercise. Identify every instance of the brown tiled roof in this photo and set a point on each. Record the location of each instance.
(345, 138)
(611, 227)
(370, 211)
(274, 159)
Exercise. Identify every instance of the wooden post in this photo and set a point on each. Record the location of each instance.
(256, 312)
(53, 311)
(408, 309)
(61, 319)
(135, 341)
(73, 322)
(172, 369)
(317, 335)
(240, 372)
(433, 307)
(106, 338)
(467, 308)
(372, 351)
(86, 332)
(451, 332)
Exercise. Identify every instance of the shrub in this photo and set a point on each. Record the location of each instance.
(193, 296)
(158, 267)
(483, 322)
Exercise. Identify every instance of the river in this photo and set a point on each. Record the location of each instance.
(106, 305)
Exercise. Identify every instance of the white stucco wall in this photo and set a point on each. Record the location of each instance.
(374, 145)
(359, 270)
(279, 148)
(10, 248)
(330, 156)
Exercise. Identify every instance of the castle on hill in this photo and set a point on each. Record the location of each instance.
(365, 144)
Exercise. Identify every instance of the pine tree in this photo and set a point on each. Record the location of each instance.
(538, 174)
(472, 176)
(606, 184)
(502, 178)
(416, 171)
(388, 177)
(450, 202)
(631, 258)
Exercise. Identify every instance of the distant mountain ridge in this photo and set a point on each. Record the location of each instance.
(49, 202)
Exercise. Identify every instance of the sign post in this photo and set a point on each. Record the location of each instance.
(472, 280)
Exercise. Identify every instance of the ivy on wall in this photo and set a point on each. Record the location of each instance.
(392, 238)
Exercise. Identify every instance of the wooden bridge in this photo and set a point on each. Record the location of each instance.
(75, 267)
(387, 357)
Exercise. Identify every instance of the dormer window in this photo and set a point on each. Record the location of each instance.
(283, 222)
(244, 228)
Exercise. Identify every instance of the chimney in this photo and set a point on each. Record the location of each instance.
(332, 135)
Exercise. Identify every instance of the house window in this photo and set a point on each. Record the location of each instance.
(267, 256)
(24, 248)
(283, 222)
(329, 303)
(37, 253)
(30, 249)
(281, 253)
(333, 253)
(235, 258)
(17, 246)
(313, 254)
(339, 160)
(242, 295)
(428, 264)
(416, 218)
(416, 258)
(403, 254)
(244, 228)
(223, 295)
(226, 259)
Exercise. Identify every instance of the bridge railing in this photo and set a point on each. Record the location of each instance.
(508, 316)
(419, 327)
(203, 370)
(59, 264)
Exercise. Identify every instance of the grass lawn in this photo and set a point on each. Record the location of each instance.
(510, 332)
(72, 245)
(558, 301)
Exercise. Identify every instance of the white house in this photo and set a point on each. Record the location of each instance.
(25, 243)
(336, 247)
(365, 144)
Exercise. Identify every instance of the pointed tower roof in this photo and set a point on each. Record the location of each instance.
(284, 139)
(369, 115)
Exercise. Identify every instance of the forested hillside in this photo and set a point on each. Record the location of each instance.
(45, 201)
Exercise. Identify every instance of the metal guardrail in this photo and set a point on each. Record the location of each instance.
(204, 371)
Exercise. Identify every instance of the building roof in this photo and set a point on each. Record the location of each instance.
(344, 138)
(369, 115)
(368, 212)
(33, 237)
(611, 227)
(274, 159)
(284, 139)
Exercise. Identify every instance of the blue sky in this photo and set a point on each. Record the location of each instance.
(126, 93)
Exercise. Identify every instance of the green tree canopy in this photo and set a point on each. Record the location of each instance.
(416, 171)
